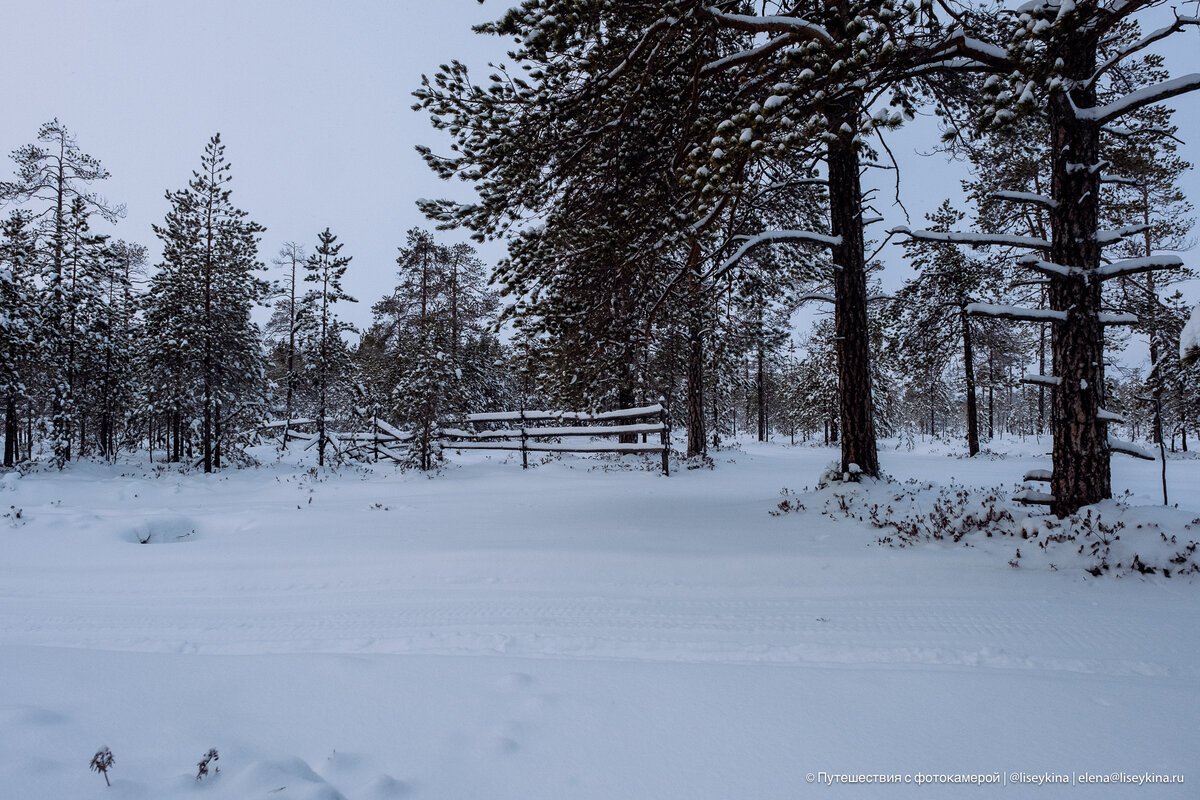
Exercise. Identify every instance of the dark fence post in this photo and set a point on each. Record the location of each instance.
(524, 438)
(665, 438)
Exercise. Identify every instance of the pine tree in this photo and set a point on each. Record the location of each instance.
(117, 332)
(20, 335)
(53, 177)
(929, 314)
(1064, 64)
(284, 325)
(200, 304)
(328, 360)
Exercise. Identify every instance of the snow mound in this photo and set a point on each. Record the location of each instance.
(284, 779)
(171, 530)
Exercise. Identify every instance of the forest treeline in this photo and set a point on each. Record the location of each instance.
(674, 181)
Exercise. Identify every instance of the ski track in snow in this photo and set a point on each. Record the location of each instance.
(670, 628)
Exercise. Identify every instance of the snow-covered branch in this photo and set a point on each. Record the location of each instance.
(1130, 449)
(1109, 318)
(977, 239)
(1050, 381)
(1013, 312)
(775, 237)
(1026, 197)
(1048, 267)
(819, 298)
(1131, 266)
(658, 25)
(768, 24)
(1109, 236)
(747, 55)
(1142, 44)
(985, 54)
(1146, 96)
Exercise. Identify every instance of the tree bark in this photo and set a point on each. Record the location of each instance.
(10, 430)
(1081, 474)
(857, 408)
(697, 445)
(969, 370)
(760, 382)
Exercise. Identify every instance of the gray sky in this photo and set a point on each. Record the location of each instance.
(312, 100)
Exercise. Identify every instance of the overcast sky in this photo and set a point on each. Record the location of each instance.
(313, 101)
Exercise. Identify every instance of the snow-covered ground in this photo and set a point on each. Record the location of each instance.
(572, 632)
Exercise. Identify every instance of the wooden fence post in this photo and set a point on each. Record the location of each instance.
(665, 438)
(524, 438)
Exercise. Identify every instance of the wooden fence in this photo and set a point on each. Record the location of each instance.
(533, 427)
(381, 441)
(530, 434)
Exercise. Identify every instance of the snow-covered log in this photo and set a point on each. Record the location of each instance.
(1131, 266)
(1043, 475)
(1130, 449)
(1013, 312)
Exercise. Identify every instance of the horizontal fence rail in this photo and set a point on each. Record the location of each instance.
(528, 438)
(524, 431)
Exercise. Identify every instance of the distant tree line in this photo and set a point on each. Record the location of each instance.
(674, 182)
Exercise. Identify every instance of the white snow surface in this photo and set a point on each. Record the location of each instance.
(583, 629)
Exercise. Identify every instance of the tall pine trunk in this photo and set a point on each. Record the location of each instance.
(1081, 474)
(696, 443)
(969, 369)
(10, 430)
(857, 409)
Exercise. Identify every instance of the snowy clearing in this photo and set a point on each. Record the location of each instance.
(570, 631)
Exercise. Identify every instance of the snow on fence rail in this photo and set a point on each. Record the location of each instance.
(383, 439)
(379, 442)
(528, 438)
